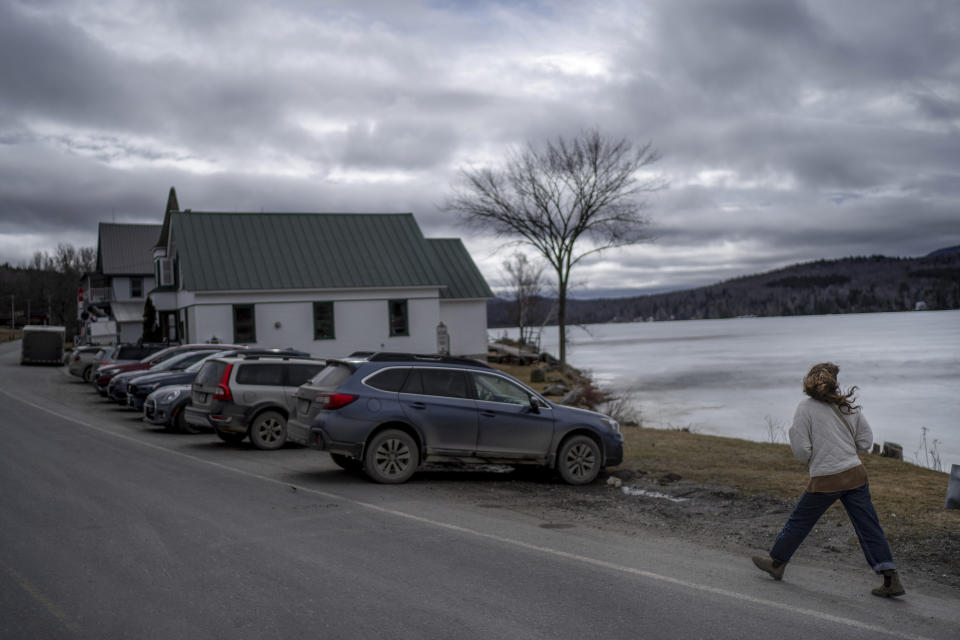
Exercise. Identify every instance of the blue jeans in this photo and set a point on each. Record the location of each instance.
(862, 514)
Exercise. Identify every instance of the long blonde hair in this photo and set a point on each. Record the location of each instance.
(820, 383)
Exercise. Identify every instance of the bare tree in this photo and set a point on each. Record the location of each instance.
(567, 199)
(526, 281)
(65, 257)
(86, 259)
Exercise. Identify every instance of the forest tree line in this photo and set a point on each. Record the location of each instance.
(44, 289)
(849, 285)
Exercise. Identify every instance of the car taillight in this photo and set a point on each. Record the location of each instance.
(334, 401)
(76, 356)
(223, 389)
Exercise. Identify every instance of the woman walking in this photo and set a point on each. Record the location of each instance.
(828, 430)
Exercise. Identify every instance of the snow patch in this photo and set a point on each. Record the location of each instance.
(633, 491)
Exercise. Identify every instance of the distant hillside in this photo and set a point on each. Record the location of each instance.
(849, 285)
(949, 251)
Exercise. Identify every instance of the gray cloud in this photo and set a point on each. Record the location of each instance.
(790, 131)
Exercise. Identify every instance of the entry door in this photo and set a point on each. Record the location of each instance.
(168, 325)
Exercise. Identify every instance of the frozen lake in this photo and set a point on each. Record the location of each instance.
(725, 377)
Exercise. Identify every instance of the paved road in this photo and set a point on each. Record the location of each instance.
(113, 529)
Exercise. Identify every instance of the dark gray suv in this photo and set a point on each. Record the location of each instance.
(389, 413)
(249, 396)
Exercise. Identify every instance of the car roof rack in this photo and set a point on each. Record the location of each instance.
(389, 356)
(281, 355)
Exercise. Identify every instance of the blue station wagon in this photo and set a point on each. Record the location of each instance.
(388, 413)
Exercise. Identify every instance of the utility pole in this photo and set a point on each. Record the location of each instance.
(12, 324)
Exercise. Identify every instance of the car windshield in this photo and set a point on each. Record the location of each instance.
(332, 376)
(159, 356)
(210, 373)
(196, 366)
(179, 361)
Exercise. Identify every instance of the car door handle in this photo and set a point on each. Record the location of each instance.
(418, 405)
(488, 414)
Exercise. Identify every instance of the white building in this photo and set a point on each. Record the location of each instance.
(326, 283)
(118, 289)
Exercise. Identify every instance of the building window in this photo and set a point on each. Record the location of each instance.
(323, 321)
(136, 287)
(165, 272)
(398, 318)
(244, 324)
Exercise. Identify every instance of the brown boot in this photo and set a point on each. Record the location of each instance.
(771, 566)
(891, 586)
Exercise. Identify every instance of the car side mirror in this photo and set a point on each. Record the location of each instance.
(534, 405)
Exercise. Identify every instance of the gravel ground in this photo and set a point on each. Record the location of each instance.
(718, 517)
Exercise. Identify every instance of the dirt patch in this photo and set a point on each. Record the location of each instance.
(717, 517)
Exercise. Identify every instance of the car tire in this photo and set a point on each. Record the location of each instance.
(88, 374)
(268, 431)
(230, 437)
(173, 425)
(183, 426)
(579, 460)
(346, 462)
(391, 457)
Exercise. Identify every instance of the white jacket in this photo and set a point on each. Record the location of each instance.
(819, 438)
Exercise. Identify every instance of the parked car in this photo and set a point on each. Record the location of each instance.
(83, 359)
(124, 352)
(389, 413)
(249, 396)
(139, 388)
(118, 386)
(105, 373)
(121, 354)
(165, 407)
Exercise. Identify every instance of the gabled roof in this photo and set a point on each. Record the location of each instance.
(457, 270)
(172, 205)
(236, 251)
(126, 249)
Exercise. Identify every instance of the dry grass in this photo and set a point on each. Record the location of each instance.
(909, 499)
(6, 335)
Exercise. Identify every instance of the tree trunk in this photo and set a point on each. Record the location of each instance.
(562, 320)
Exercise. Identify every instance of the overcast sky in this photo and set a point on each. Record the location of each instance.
(790, 131)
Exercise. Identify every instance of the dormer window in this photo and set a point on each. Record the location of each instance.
(165, 266)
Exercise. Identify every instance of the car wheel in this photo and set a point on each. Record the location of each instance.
(174, 425)
(229, 437)
(185, 427)
(268, 431)
(346, 462)
(579, 460)
(88, 374)
(391, 457)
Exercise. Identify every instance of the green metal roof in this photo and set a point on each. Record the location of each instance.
(457, 270)
(237, 251)
(126, 249)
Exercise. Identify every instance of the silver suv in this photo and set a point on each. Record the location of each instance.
(249, 396)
